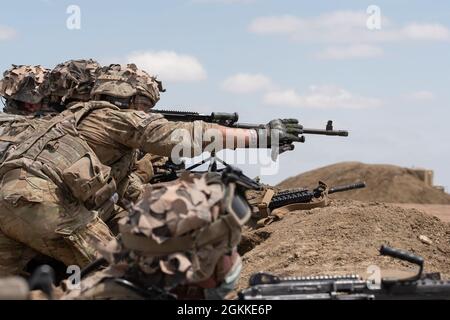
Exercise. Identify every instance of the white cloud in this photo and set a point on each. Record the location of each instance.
(168, 65)
(350, 52)
(345, 27)
(246, 83)
(325, 97)
(7, 33)
(435, 32)
(285, 24)
(421, 95)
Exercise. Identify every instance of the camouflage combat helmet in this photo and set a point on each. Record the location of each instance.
(70, 81)
(177, 233)
(124, 83)
(22, 83)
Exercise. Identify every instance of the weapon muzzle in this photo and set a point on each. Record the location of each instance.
(358, 185)
(341, 133)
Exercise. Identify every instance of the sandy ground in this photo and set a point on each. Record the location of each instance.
(345, 238)
(397, 209)
(437, 210)
(385, 183)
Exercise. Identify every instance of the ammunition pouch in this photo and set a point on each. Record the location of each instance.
(86, 178)
(104, 200)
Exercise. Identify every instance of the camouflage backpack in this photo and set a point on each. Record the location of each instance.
(70, 81)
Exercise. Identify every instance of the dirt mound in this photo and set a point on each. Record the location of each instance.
(386, 183)
(345, 238)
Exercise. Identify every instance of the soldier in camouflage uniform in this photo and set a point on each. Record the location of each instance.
(57, 183)
(72, 81)
(67, 83)
(22, 88)
(180, 238)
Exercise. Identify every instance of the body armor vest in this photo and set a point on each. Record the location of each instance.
(62, 154)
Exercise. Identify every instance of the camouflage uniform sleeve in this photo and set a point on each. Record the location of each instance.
(152, 133)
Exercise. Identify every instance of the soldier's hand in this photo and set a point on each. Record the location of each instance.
(286, 131)
(143, 168)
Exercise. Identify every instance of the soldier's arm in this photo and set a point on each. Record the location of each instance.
(152, 133)
(162, 137)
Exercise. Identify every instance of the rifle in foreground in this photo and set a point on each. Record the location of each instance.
(284, 198)
(231, 120)
(265, 286)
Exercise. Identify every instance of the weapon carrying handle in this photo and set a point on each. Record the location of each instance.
(405, 256)
(402, 255)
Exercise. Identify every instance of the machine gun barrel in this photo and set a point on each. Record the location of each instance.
(329, 131)
(347, 187)
(341, 133)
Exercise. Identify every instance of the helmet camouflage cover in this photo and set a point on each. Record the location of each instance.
(22, 83)
(70, 80)
(176, 233)
(126, 81)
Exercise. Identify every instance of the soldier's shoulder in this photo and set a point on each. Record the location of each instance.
(94, 105)
(135, 117)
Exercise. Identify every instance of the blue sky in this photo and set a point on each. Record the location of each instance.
(267, 59)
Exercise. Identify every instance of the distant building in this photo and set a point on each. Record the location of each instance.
(427, 177)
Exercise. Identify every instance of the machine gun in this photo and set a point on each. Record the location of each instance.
(284, 198)
(265, 286)
(231, 120)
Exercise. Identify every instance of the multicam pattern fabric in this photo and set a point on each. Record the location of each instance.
(126, 81)
(22, 83)
(70, 80)
(175, 211)
(35, 215)
(163, 241)
(110, 134)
